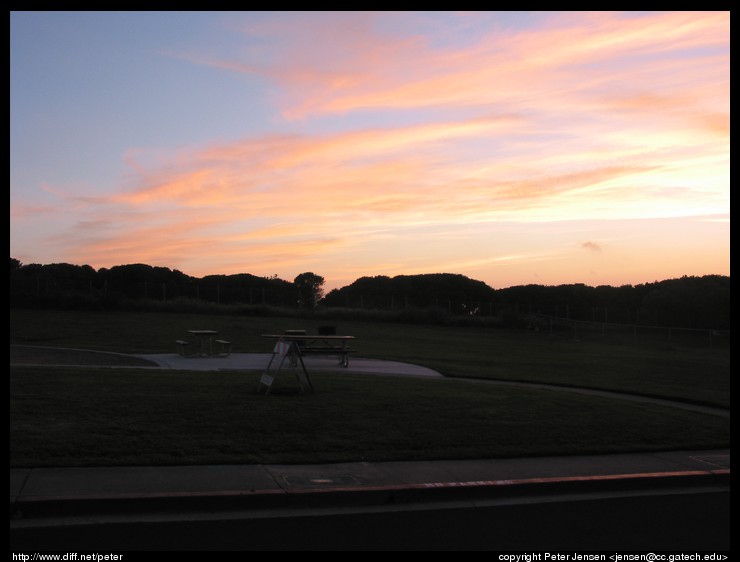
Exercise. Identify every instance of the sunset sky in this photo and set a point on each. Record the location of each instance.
(510, 147)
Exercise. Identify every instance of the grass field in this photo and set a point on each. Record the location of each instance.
(66, 417)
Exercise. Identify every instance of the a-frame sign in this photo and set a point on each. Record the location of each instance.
(290, 351)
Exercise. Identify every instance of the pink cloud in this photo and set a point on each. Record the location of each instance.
(375, 69)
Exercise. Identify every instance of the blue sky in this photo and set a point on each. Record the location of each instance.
(510, 147)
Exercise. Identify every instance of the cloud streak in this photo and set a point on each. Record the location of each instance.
(571, 57)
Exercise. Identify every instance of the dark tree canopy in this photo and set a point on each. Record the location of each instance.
(75, 285)
(310, 289)
(426, 290)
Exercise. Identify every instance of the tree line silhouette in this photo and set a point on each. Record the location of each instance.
(75, 286)
(686, 302)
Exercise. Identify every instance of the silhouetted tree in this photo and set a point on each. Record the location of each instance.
(140, 280)
(420, 291)
(310, 289)
(247, 288)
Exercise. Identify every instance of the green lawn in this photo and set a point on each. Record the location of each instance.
(92, 416)
(65, 416)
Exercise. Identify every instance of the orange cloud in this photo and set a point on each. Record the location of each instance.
(294, 197)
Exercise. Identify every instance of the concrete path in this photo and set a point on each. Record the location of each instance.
(258, 362)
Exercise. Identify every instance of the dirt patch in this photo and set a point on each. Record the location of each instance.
(33, 355)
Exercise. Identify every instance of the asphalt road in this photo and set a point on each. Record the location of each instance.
(688, 520)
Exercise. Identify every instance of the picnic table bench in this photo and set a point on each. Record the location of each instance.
(204, 348)
(340, 351)
(224, 347)
(183, 347)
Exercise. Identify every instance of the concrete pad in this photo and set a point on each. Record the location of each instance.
(235, 361)
(259, 361)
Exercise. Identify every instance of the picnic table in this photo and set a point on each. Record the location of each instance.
(318, 344)
(205, 344)
(295, 344)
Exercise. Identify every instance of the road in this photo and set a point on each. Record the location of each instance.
(668, 520)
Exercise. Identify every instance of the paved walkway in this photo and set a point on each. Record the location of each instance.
(38, 495)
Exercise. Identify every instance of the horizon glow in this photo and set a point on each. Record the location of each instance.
(510, 147)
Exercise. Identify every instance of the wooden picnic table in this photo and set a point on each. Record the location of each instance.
(295, 344)
(318, 344)
(206, 340)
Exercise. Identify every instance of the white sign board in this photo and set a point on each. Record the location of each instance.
(282, 348)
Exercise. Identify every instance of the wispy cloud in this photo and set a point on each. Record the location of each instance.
(572, 56)
(591, 246)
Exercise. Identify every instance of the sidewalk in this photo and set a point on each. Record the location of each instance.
(40, 494)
